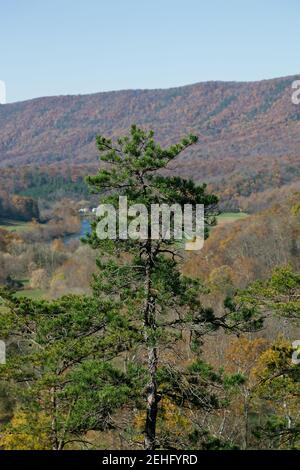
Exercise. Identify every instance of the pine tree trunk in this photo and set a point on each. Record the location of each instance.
(54, 422)
(149, 334)
(152, 402)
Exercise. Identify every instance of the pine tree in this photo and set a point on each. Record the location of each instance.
(143, 275)
(58, 372)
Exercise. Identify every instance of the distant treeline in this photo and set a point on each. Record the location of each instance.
(54, 187)
(50, 183)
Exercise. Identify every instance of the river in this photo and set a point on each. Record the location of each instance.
(85, 229)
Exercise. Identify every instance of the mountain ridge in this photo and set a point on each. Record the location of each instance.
(245, 129)
(239, 82)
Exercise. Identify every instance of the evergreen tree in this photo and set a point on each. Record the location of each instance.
(143, 275)
(278, 298)
(59, 373)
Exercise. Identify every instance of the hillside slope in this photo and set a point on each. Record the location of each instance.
(246, 130)
(249, 249)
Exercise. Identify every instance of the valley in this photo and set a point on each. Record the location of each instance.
(241, 311)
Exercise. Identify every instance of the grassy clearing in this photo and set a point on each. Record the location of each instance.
(28, 292)
(36, 294)
(14, 225)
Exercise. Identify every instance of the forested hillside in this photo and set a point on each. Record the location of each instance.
(241, 252)
(249, 133)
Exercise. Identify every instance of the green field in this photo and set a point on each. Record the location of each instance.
(17, 226)
(28, 292)
(31, 293)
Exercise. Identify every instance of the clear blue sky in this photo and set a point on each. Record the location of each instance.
(52, 47)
